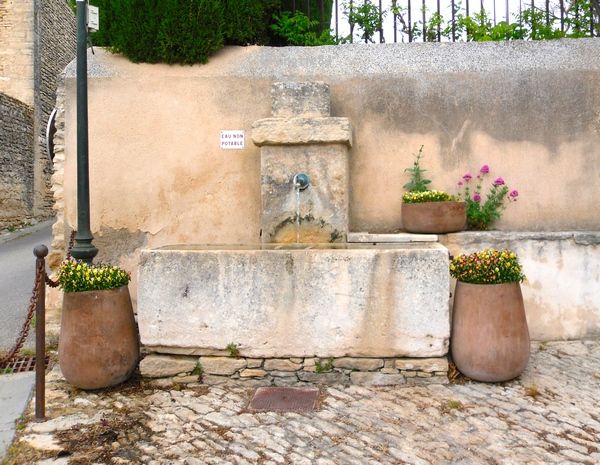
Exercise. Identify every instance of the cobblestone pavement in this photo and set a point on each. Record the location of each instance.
(550, 415)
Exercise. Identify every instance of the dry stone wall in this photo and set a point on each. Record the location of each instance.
(168, 369)
(16, 161)
(56, 42)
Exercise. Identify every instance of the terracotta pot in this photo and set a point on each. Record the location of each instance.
(98, 344)
(434, 217)
(490, 339)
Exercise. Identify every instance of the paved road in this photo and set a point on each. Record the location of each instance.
(17, 270)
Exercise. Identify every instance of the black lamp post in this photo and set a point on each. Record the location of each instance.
(83, 248)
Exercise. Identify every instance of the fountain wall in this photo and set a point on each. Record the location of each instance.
(529, 110)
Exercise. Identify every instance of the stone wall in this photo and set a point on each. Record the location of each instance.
(16, 161)
(294, 371)
(55, 47)
(16, 53)
(38, 39)
(562, 289)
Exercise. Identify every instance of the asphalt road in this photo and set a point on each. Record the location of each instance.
(17, 271)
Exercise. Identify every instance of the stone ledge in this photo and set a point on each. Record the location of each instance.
(302, 131)
(470, 237)
(369, 238)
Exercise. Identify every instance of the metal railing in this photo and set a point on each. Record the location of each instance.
(432, 20)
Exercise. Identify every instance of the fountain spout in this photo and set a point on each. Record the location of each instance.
(301, 181)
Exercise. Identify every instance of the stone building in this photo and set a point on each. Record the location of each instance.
(37, 40)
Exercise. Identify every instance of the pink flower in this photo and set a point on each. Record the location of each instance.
(476, 197)
(467, 176)
(514, 194)
(499, 182)
(460, 183)
(485, 169)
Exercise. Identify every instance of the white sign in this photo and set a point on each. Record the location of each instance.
(232, 140)
(93, 18)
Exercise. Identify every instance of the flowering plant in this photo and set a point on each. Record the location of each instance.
(481, 214)
(75, 276)
(489, 266)
(427, 196)
(417, 187)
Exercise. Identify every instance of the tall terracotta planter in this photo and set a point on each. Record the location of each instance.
(98, 344)
(490, 338)
(434, 217)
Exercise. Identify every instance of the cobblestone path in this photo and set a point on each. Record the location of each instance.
(550, 415)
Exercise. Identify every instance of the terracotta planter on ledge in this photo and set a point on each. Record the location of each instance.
(490, 338)
(98, 344)
(434, 217)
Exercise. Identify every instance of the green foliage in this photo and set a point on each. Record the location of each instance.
(190, 31)
(74, 276)
(530, 24)
(247, 21)
(367, 16)
(482, 213)
(417, 183)
(323, 367)
(427, 196)
(489, 266)
(197, 371)
(233, 350)
(299, 29)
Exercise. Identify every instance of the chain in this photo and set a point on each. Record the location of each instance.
(39, 271)
(40, 274)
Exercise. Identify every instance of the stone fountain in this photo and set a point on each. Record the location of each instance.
(376, 312)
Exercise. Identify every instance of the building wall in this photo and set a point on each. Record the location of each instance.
(16, 161)
(530, 110)
(56, 43)
(16, 52)
(37, 40)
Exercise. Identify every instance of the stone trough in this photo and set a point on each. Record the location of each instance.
(335, 300)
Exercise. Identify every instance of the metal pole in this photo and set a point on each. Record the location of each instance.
(424, 8)
(83, 248)
(453, 22)
(40, 333)
(337, 32)
(410, 32)
(381, 39)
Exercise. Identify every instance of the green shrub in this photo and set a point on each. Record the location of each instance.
(488, 266)
(190, 30)
(74, 276)
(299, 29)
(247, 21)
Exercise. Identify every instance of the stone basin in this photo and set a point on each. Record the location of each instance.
(296, 300)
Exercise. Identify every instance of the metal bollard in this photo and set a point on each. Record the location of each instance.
(41, 251)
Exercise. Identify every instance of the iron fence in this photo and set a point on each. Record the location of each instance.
(452, 20)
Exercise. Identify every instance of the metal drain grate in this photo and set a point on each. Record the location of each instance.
(21, 365)
(284, 399)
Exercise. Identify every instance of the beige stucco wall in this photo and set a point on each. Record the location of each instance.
(16, 49)
(562, 286)
(529, 110)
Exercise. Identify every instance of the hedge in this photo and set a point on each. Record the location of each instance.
(188, 31)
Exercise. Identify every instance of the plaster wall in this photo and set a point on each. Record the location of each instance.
(562, 289)
(531, 110)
